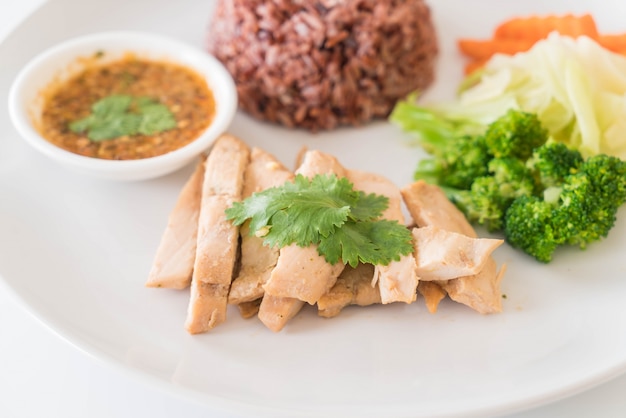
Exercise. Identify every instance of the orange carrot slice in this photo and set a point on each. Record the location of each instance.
(615, 43)
(519, 34)
(481, 50)
(539, 27)
(474, 65)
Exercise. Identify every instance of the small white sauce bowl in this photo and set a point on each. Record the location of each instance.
(63, 61)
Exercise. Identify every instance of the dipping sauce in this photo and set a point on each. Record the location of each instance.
(181, 90)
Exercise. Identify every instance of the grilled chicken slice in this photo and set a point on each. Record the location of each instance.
(353, 287)
(275, 311)
(429, 206)
(433, 293)
(173, 264)
(480, 292)
(257, 260)
(301, 274)
(398, 280)
(207, 307)
(256, 264)
(249, 309)
(445, 255)
(217, 238)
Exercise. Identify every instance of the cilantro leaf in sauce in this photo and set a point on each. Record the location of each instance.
(325, 211)
(123, 115)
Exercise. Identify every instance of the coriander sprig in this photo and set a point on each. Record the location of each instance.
(326, 211)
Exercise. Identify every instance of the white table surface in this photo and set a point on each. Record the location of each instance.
(42, 375)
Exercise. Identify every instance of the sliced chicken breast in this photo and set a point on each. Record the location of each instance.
(445, 255)
(433, 293)
(217, 238)
(275, 311)
(398, 280)
(249, 309)
(257, 260)
(301, 274)
(480, 292)
(353, 287)
(173, 264)
(429, 206)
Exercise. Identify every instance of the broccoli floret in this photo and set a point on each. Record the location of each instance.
(456, 162)
(572, 211)
(515, 134)
(490, 196)
(528, 226)
(584, 210)
(512, 176)
(486, 205)
(592, 197)
(552, 162)
(608, 176)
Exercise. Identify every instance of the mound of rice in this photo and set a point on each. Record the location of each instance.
(317, 64)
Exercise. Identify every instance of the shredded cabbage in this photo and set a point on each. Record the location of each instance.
(576, 88)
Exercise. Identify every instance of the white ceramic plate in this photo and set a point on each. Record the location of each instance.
(77, 250)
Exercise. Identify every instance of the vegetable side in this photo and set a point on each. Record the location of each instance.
(514, 178)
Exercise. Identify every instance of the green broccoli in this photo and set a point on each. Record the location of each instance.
(597, 191)
(528, 226)
(491, 195)
(580, 211)
(515, 134)
(552, 162)
(456, 162)
(572, 214)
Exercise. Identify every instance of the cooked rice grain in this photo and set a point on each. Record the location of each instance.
(317, 64)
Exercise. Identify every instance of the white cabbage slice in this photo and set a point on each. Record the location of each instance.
(576, 87)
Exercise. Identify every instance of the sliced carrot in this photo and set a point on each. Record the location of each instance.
(519, 28)
(615, 43)
(474, 65)
(539, 27)
(588, 26)
(519, 34)
(575, 26)
(481, 50)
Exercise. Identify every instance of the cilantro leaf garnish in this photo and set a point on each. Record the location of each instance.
(119, 115)
(326, 211)
(376, 242)
(369, 207)
(299, 211)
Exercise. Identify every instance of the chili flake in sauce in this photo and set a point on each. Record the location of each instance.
(184, 92)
